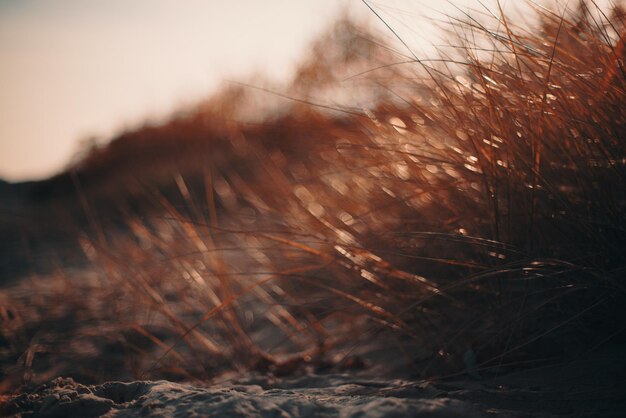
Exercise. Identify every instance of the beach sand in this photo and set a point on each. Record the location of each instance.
(591, 386)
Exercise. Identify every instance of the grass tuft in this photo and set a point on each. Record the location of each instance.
(468, 203)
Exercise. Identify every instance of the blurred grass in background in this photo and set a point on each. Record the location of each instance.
(473, 201)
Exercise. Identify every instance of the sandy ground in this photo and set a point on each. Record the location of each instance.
(591, 386)
(313, 396)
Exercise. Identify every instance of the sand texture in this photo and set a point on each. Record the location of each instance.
(589, 387)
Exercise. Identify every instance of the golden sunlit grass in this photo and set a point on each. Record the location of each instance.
(474, 206)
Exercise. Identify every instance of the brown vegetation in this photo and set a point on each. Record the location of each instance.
(475, 204)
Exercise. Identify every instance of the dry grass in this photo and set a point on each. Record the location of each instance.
(470, 202)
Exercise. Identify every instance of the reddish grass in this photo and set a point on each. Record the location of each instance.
(475, 202)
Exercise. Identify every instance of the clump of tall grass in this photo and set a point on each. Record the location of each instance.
(468, 203)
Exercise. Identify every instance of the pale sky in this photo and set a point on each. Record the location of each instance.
(72, 69)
